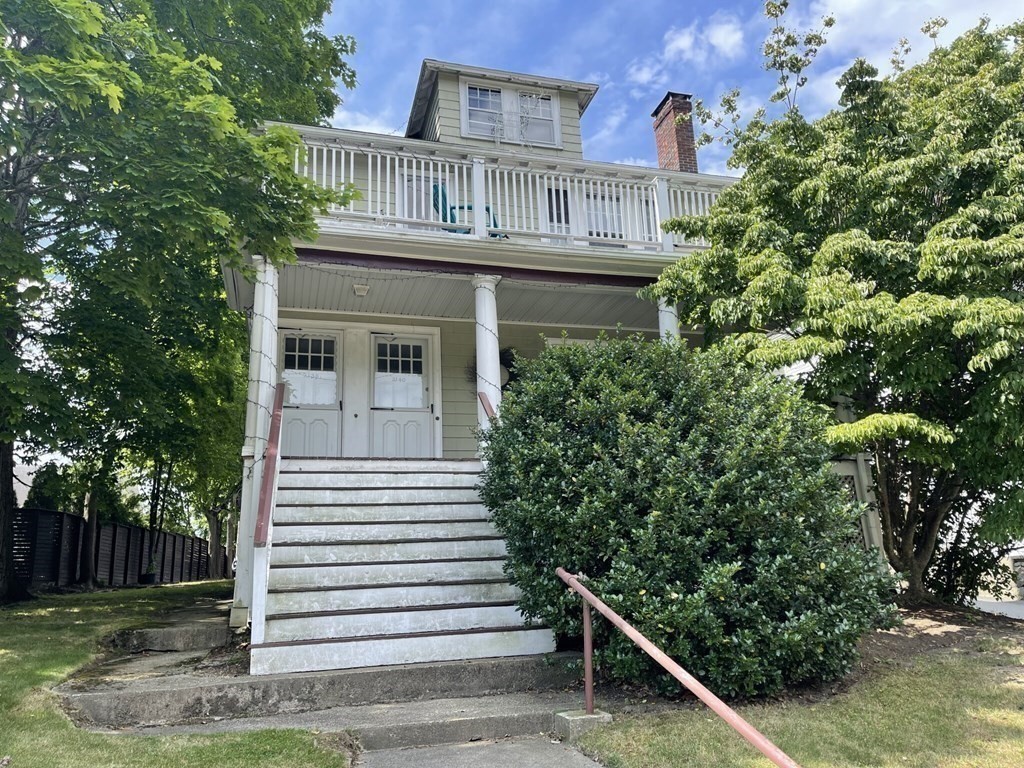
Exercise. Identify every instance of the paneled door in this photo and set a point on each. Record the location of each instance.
(310, 371)
(402, 405)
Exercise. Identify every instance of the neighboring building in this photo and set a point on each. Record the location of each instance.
(483, 228)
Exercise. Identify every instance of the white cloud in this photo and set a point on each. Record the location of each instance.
(682, 44)
(649, 72)
(352, 120)
(643, 162)
(725, 35)
(609, 129)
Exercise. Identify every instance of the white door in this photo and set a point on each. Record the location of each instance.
(402, 407)
(312, 410)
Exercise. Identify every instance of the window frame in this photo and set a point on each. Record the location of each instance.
(511, 96)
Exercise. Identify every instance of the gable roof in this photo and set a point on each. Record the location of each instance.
(428, 83)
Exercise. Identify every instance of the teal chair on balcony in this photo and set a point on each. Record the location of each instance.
(449, 213)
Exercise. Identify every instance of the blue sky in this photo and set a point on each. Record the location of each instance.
(634, 50)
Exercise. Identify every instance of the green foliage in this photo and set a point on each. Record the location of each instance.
(967, 563)
(130, 175)
(696, 496)
(884, 245)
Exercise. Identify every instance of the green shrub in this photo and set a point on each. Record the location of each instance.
(697, 498)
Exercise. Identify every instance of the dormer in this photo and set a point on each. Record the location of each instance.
(490, 108)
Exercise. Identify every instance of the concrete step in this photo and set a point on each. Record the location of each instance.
(400, 621)
(383, 596)
(342, 513)
(381, 466)
(291, 497)
(188, 697)
(386, 551)
(412, 724)
(426, 572)
(318, 533)
(329, 653)
(378, 480)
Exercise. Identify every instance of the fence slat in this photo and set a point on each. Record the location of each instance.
(48, 550)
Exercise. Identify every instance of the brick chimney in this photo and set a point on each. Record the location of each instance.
(676, 148)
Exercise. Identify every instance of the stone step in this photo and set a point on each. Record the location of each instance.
(318, 533)
(400, 621)
(386, 551)
(412, 724)
(130, 701)
(381, 466)
(377, 480)
(311, 656)
(385, 596)
(426, 572)
(291, 497)
(342, 513)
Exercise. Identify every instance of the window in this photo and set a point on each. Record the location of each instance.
(484, 110)
(536, 118)
(604, 215)
(302, 353)
(399, 380)
(510, 114)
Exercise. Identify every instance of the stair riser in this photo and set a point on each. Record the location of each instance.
(383, 513)
(383, 573)
(311, 534)
(408, 650)
(364, 625)
(380, 553)
(380, 466)
(293, 497)
(388, 597)
(367, 480)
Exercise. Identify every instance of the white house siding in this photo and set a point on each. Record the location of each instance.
(458, 350)
(446, 126)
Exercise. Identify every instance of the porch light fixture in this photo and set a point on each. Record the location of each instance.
(360, 290)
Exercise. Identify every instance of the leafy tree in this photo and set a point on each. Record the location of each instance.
(883, 244)
(697, 497)
(124, 161)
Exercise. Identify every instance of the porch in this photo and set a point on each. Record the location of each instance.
(451, 192)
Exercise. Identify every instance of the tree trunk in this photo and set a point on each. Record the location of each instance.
(87, 562)
(10, 588)
(216, 564)
(154, 506)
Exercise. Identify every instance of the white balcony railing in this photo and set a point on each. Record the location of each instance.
(459, 191)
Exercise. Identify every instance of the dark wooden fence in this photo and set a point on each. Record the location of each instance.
(48, 547)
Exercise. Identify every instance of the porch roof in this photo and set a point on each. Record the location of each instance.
(323, 287)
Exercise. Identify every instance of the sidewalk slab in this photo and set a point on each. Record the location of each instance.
(408, 724)
(515, 753)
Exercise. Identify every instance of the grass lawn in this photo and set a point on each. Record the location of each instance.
(44, 640)
(954, 700)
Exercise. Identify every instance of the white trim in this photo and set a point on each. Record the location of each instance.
(431, 332)
(567, 341)
(510, 95)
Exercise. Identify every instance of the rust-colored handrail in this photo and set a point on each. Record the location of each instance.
(485, 401)
(269, 470)
(719, 707)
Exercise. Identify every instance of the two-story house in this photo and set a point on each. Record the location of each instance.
(383, 350)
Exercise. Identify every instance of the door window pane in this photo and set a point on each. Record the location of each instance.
(399, 381)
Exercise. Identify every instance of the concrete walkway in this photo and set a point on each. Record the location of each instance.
(1011, 608)
(512, 753)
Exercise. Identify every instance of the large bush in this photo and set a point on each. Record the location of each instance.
(696, 496)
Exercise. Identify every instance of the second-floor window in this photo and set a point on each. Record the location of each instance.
(511, 115)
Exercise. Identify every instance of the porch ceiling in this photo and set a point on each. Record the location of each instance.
(321, 288)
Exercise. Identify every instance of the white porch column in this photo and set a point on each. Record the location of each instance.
(488, 350)
(260, 403)
(668, 320)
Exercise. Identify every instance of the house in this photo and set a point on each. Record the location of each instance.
(361, 540)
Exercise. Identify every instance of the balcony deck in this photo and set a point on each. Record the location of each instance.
(448, 193)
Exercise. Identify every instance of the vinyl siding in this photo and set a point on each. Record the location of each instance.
(444, 122)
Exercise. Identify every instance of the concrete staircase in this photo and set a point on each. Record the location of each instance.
(380, 562)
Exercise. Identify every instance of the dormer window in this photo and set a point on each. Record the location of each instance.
(510, 115)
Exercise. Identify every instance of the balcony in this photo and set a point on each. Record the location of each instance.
(448, 191)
